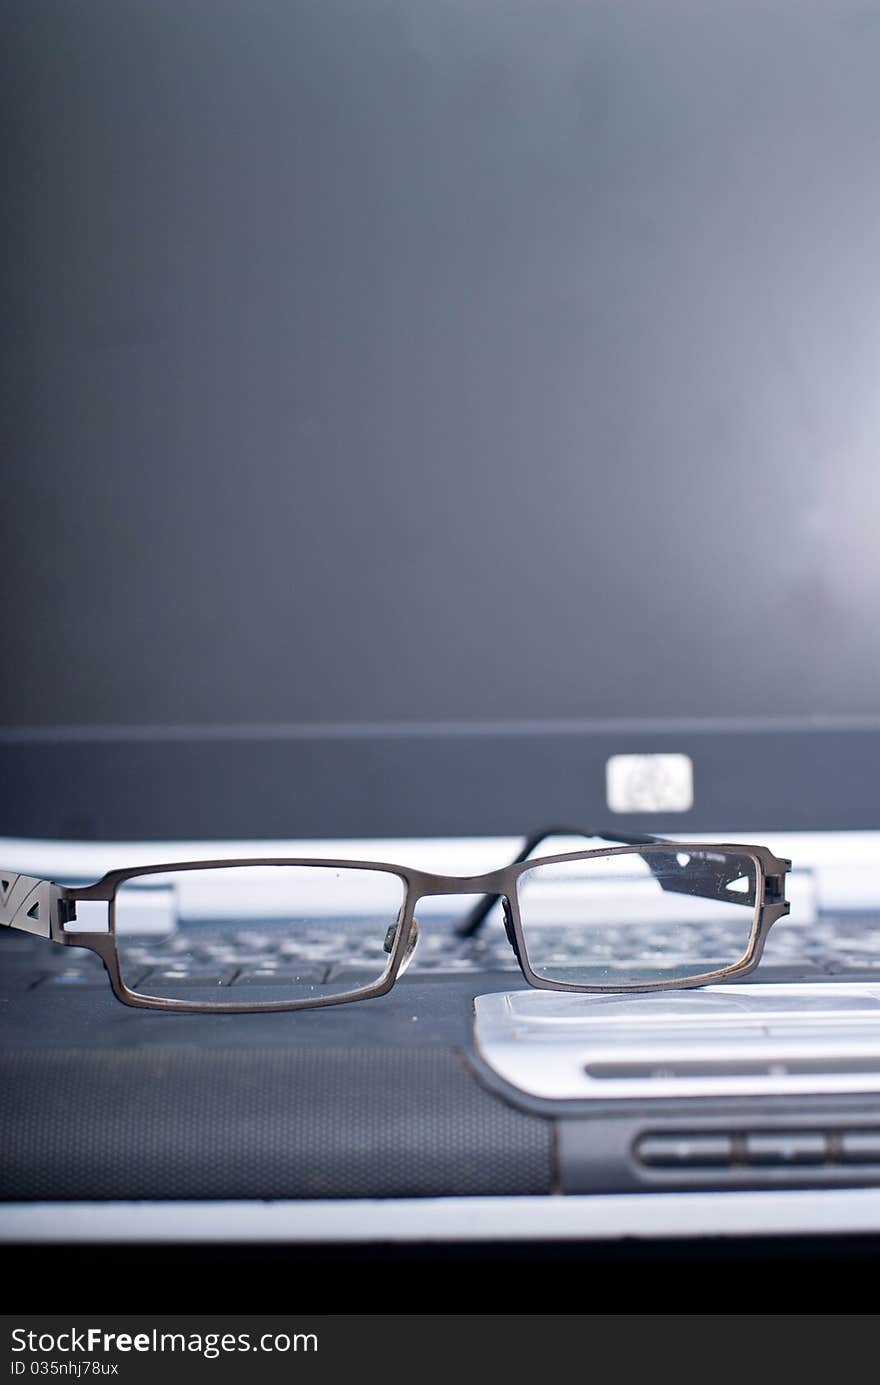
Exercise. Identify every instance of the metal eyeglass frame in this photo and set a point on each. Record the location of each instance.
(44, 909)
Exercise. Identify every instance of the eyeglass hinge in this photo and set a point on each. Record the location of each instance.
(774, 888)
(66, 911)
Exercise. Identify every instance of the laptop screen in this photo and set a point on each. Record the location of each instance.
(425, 417)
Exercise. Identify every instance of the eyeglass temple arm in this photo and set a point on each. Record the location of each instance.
(471, 925)
(694, 877)
(31, 905)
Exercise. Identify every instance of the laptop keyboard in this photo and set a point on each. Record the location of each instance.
(833, 946)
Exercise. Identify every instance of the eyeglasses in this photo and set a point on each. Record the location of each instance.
(323, 932)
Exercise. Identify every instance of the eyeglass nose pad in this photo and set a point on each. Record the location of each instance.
(508, 928)
(410, 947)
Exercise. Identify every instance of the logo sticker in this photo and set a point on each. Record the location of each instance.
(649, 783)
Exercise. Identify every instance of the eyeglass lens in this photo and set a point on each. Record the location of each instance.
(311, 932)
(638, 917)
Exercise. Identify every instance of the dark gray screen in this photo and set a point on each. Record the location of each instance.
(404, 360)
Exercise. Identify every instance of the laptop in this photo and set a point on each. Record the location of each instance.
(322, 1127)
(444, 423)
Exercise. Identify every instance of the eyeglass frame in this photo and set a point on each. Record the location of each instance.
(43, 909)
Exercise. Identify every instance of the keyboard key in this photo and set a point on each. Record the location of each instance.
(77, 980)
(188, 976)
(280, 976)
(356, 976)
(20, 980)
